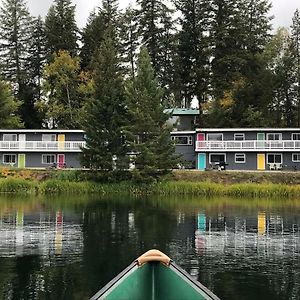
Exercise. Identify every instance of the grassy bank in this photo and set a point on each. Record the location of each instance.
(178, 188)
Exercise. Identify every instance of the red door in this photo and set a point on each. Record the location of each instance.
(200, 141)
(200, 137)
(61, 161)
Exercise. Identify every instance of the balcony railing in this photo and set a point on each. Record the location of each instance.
(36, 146)
(251, 145)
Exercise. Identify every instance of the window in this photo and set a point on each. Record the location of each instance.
(183, 140)
(274, 158)
(48, 159)
(239, 136)
(9, 158)
(274, 136)
(217, 158)
(240, 158)
(9, 137)
(49, 137)
(215, 137)
(296, 157)
(296, 136)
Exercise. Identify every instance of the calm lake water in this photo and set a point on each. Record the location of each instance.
(62, 248)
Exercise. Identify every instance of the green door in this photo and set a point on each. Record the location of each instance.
(21, 161)
(201, 161)
(261, 137)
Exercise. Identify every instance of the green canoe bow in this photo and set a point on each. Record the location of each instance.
(154, 279)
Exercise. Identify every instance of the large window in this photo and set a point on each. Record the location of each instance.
(240, 158)
(9, 159)
(274, 158)
(214, 137)
(48, 159)
(239, 136)
(296, 136)
(217, 158)
(183, 140)
(274, 136)
(9, 137)
(296, 157)
(49, 137)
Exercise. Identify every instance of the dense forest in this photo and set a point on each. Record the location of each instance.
(221, 54)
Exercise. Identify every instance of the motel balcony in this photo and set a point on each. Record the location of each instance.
(248, 146)
(41, 146)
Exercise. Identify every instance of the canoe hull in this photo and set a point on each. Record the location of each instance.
(154, 281)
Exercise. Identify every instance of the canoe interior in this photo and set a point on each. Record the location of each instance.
(154, 281)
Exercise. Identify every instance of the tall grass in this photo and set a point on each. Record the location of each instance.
(170, 188)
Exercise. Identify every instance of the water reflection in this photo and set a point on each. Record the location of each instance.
(40, 233)
(69, 248)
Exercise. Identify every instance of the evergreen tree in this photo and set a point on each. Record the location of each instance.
(193, 49)
(9, 118)
(15, 42)
(226, 42)
(63, 102)
(94, 32)
(31, 89)
(295, 37)
(148, 135)
(60, 28)
(150, 16)
(15, 29)
(129, 40)
(106, 113)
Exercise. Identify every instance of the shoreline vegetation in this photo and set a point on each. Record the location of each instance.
(179, 183)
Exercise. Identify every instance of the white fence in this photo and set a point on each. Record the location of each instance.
(253, 145)
(37, 146)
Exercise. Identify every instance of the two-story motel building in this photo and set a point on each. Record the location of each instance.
(237, 148)
(248, 148)
(42, 148)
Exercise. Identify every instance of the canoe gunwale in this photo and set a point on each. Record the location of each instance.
(185, 275)
(115, 280)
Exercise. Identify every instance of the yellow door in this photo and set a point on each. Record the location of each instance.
(61, 141)
(261, 162)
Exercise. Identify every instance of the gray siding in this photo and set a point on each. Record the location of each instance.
(34, 160)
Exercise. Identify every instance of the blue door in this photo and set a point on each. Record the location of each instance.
(201, 161)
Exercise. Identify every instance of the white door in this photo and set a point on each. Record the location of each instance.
(22, 139)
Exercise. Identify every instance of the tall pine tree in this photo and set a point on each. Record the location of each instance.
(147, 133)
(193, 50)
(107, 15)
(295, 37)
(106, 113)
(60, 28)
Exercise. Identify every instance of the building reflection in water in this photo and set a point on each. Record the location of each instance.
(266, 234)
(40, 233)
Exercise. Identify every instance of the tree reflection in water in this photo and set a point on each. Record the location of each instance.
(69, 248)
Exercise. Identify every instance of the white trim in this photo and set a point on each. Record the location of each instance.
(182, 132)
(5, 163)
(270, 133)
(49, 134)
(214, 133)
(48, 154)
(293, 135)
(189, 140)
(268, 154)
(247, 129)
(43, 131)
(240, 134)
(240, 162)
(296, 161)
(10, 134)
(210, 154)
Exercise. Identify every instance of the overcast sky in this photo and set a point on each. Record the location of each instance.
(282, 9)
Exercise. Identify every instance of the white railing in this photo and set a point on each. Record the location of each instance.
(248, 145)
(42, 146)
